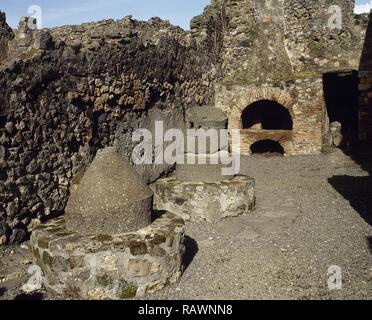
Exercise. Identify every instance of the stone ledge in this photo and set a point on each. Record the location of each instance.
(200, 201)
(119, 266)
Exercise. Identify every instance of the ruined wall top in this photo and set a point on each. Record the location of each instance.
(279, 39)
(6, 34)
(253, 40)
(5, 30)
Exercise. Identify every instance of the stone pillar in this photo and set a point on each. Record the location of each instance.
(6, 35)
(200, 190)
(25, 34)
(206, 149)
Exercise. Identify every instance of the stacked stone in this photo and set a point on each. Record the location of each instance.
(206, 147)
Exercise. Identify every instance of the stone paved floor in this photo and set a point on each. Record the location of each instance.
(312, 212)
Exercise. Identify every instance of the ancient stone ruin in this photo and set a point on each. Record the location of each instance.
(106, 246)
(200, 189)
(71, 98)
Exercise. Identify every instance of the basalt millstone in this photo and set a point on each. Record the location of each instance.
(111, 198)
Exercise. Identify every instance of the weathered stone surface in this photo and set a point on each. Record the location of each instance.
(111, 198)
(152, 69)
(6, 35)
(166, 119)
(120, 266)
(248, 48)
(205, 168)
(43, 41)
(206, 117)
(197, 201)
(203, 141)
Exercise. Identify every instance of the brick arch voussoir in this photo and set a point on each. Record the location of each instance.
(272, 94)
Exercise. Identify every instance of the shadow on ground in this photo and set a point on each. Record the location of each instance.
(191, 251)
(358, 190)
(2, 291)
(369, 240)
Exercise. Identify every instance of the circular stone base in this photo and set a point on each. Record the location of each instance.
(109, 266)
(198, 201)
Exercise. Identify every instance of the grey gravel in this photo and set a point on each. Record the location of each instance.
(301, 227)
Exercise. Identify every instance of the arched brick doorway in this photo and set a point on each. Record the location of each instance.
(267, 147)
(266, 115)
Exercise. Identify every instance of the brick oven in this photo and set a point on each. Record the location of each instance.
(288, 120)
(274, 58)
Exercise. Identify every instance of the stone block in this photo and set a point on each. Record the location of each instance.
(206, 117)
(119, 266)
(199, 201)
(43, 41)
(204, 142)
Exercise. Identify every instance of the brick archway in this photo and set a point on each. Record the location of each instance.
(285, 138)
(254, 95)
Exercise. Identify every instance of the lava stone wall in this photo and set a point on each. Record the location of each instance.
(365, 86)
(276, 40)
(61, 104)
(312, 45)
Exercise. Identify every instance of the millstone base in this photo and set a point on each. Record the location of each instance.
(109, 266)
(199, 201)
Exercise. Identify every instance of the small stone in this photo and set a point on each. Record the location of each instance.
(43, 41)
(35, 283)
(3, 239)
(94, 46)
(337, 140)
(12, 208)
(113, 35)
(9, 126)
(2, 152)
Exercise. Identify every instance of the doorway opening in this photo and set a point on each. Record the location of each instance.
(266, 115)
(268, 148)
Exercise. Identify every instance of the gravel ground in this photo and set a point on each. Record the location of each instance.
(312, 212)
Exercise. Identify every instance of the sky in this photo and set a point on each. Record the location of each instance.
(62, 12)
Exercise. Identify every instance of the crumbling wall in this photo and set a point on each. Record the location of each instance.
(365, 86)
(312, 44)
(60, 104)
(276, 40)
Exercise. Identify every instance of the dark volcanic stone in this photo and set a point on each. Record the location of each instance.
(44, 41)
(17, 236)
